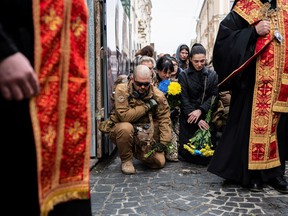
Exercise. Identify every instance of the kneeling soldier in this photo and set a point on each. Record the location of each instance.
(141, 121)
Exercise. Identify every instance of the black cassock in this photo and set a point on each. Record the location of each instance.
(235, 43)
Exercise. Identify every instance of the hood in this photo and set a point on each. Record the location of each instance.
(177, 56)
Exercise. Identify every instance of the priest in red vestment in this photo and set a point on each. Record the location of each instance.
(44, 107)
(250, 56)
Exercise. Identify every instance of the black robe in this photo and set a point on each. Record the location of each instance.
(16, 133)
(235, 43)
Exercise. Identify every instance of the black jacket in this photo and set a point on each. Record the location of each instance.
(193, 96)
(192, 89)
(16, 28)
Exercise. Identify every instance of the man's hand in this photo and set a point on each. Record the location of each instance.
(158, 147)
(263, 27)
(151, 104)
(17, 78)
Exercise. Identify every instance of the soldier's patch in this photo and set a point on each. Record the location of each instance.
(121, 99)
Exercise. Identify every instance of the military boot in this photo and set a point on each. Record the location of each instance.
(128, 168)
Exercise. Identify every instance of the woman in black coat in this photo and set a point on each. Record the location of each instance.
(198, 85)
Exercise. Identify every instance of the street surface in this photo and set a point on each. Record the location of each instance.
(179, 189)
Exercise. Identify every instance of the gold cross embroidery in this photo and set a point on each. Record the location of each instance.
(50, 136)
(76, 130)
(258, 152)
(77, 27)
(52, 20)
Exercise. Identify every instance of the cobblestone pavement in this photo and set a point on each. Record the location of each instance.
(179, 189)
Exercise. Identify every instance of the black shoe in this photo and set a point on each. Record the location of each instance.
(255, 187)
(279, 184)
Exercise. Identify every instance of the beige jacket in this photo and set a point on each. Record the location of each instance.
(129, 108)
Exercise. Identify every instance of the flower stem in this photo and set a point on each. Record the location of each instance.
(148, 154)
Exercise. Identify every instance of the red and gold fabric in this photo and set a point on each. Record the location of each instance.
(271, 85)
(61, 111)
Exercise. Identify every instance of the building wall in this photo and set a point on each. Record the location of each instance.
(140, 21)
(134, 27)
(210, 16)
(144, 22)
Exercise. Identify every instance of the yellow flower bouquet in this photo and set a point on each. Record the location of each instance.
(200, 144)
(172, 91)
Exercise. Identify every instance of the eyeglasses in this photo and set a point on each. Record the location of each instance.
(140, 84)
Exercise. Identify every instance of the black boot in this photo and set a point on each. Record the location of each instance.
(256, 185)
(280, 184)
